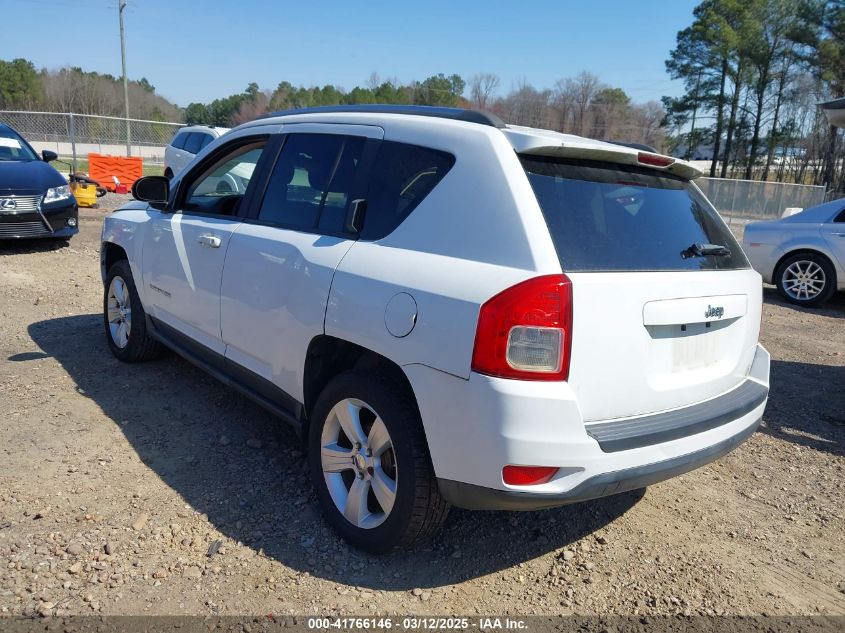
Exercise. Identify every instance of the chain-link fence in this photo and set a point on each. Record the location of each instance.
(749, 200)
(75, 135)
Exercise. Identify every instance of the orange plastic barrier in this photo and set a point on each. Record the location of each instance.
(104, 168)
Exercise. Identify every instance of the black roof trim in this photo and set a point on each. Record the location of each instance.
(836, 104)
(456, 114)
(640, 146)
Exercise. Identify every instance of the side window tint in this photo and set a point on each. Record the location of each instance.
(179, 140)
(403, 175)
(338, 192)
(220, 188)
(192, 143)
(311, 179)
(840, 217)
(206, 139)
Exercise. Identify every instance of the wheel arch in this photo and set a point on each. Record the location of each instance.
(329, 356)
(110, 253)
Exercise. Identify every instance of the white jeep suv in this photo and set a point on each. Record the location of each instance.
(449, 309)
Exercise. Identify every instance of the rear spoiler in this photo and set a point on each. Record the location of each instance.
(577, 147)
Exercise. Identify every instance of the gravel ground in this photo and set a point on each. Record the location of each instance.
(152, 489)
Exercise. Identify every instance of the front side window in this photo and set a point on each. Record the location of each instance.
(609, 217)
(403, 175)
(206, 139)
(220, 188)
(310, 185)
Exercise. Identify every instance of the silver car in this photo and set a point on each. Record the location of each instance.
(803, 254)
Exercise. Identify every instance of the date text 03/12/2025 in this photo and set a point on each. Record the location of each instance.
(411, 623)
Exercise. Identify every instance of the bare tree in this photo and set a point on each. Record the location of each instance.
(481, 89)
(646, 125)
(585, 87)
(572, 99)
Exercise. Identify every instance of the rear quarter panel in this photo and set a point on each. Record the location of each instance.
(766, 243)
(477, 233)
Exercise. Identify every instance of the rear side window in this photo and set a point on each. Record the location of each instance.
(179, 140)
(193, 142)
(310, 184)
(607, 217)
(403, 175)
(840, 217)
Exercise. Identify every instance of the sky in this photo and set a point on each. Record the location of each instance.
(199, 50)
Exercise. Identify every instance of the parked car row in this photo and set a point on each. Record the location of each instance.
(448, 310)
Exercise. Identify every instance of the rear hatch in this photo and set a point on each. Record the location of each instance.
(661, 319)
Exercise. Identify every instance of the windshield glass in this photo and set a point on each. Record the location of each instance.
(13, 147)
(608, 217)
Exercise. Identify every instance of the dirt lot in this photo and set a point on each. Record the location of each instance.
(115, 481)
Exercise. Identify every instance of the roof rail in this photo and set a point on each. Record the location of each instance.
(456, 114)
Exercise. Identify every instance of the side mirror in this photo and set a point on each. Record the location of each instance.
(47, 155)
(152, 189)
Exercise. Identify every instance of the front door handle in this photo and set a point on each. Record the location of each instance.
(209, 240)
(839, 234)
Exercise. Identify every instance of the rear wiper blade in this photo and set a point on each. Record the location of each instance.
(705, 250)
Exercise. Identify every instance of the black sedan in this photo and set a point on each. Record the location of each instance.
(35, 200)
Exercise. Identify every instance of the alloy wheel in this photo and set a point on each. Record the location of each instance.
(359, 463)
(803, 280)
(119, 312)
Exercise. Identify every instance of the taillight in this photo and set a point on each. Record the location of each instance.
(525, 331)
(654, 159)
(528, 475)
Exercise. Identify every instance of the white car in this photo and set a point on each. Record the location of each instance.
(450, 310)
(803, 254)
(187, 143)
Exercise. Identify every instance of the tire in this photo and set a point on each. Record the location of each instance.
(132, 344)
(806, 279)
(168, 173)
(416, 510)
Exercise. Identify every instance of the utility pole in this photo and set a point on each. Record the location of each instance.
(121, 5)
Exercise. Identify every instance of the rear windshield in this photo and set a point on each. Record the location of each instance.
(608, 217)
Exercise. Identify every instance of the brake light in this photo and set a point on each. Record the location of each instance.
(654, 159)
(527, 475)
(525, 332)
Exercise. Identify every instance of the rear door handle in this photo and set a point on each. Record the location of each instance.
(209, 240)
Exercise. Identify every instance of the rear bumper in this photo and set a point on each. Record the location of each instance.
(485, 423)
(480, 498)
